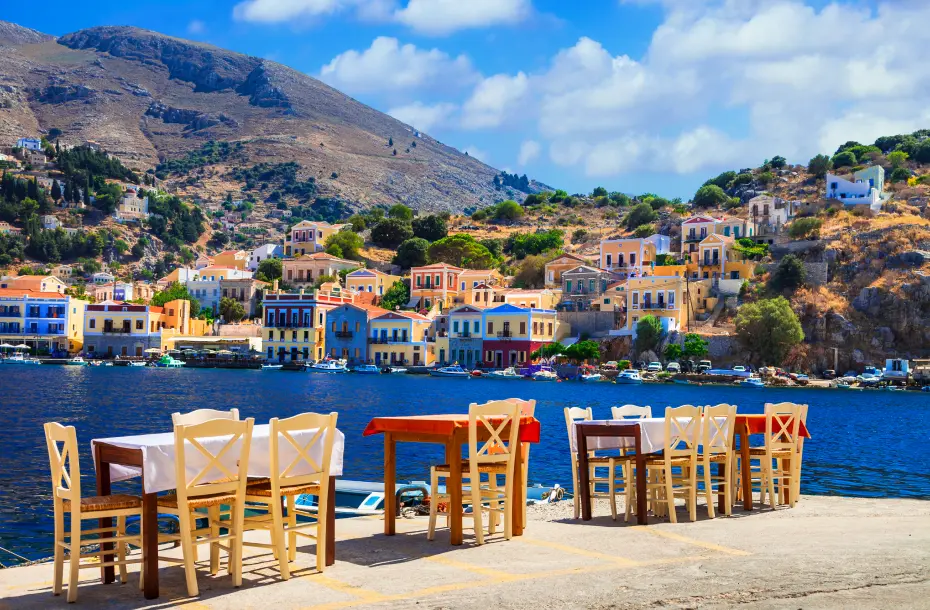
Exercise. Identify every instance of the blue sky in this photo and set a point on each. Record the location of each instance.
(634, 95)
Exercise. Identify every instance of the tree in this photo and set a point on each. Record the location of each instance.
(495, 246)
(768, 329)
(348, 243)
(231, 310)
(398, 295)
(723, 180)
(695, 346)
(172, 293)
(411, 253)
(462, 251)
(778, 162)
(644, 231)
(269, 270)
(709, 196)
(107, 198)
(844, 159)
(641, 214)
(531, 273)
(648, 333)
(56, 190)
(805, 228)
(672, 352)
(430, 228)
(584, 350)
(218, 240)
(508, 210)
(391, 232)
(391, 142)
(121, 246)
(599, 191)
(897, 158)
(899, 174)
(789, 275)
(820, 165)
(401, 212)
(358, 223)
(548, 350)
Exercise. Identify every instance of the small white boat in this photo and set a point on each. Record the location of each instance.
(272, 367)
(507, 373)
(752, 382)
(108, 363)
(450, 371)
(629, 376)
(591, 377)
(169, 362)
(18, 358)
(545, 374)
(139, 363)
(76, 361)
(328, 366)
(367, 369)
(394, 370)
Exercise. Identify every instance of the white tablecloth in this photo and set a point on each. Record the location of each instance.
(652, 430)
(159, 464)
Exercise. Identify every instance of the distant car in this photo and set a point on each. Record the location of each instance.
(654, 367)
(673, 367)
(639, 365)
(610, 366)
(704, 366)
(739, 368)
(829, 374)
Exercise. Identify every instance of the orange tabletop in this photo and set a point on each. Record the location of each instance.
(444, 425)
(756, 424)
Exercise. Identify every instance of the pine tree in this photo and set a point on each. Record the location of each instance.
(56, 190)
(33, 191)
(395, 152)
(391, 142)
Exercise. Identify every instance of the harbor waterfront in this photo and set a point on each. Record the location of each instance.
(103, 402)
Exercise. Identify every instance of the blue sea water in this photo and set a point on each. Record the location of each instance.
(870, 443)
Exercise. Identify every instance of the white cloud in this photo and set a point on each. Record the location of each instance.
(196, 27)
(477, 153)
(438, 17)
(424, 117)
(493, 99)
(276, 11)
(389, 66)
(529, 151)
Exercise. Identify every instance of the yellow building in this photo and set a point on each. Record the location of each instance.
(630, 256)
(512, 333)
(560, 264)
(714, 258)
(237, 259)
(400, 338)
(45, 321)
(306, 270)
(307, 237)
(295, 322)
(484, 295)
(666, 298)
(371, 281)
(37, 283)
(124, 329)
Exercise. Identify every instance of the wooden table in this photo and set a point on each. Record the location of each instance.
(450, 431)
(613, 428)
(746, 425)
(106, 454)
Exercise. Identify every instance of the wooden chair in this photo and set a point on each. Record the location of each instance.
(782, 422)
(527, 409)
(493, 457)
(682, 435)
(232, 440)
(201, 415)
(573, 414)
(288, 459)
(800, 456)
(717, 448)
(66, 496)
(629, 485)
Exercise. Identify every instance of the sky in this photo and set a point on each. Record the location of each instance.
(634, 95)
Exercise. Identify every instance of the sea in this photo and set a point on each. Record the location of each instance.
(869, 443)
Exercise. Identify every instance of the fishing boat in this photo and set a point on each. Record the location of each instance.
(367, 369)
(19, 358)
(842, 386)
(545, 374)
(450, 371)
(139, 363)
(588, 373)
(393, 370)
(328, 366)
(76, 361)
(752, 382)
(272, 367)
(507, 373)
(629, 376)
(169, 362)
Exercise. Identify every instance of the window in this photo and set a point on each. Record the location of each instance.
(438, 281)
(306, 336)
(490, 328)
(476, 326)
(139, 325)
(568, 285)
(635, 299)
(550, 329)
(463, 285)
(455, 326)
(419, 281)
(632, 258)
(334, 326)
(590, 285)
(357, 326)
(93, 323)
(609, 260)
(522, 328)
(671, 299)
(271, 335)
(535, 327)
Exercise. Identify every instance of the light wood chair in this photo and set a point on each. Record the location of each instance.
(289, 457)
(782, 422)
(800, 457)
(194, 491)
(494, 457)
(573, 414)
(682, 435)
(717, 448)
(66, 496)
(527, 409)
(627, 468)
(201, 415)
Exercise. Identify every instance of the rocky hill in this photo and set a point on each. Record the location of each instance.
(150, 98)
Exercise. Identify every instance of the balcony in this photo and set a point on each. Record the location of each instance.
(109, 330)
(344, 334)
(464, 335)
(386, 340)
(10, 311)
(505, 334)
(657, 306)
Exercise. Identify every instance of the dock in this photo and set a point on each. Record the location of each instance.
(828, 552)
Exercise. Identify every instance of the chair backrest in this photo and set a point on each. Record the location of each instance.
(201, 415)
(717, 436)
(631, 412)
(782, 422)
(573, 414)
(305, 459)
(803, 423)
(214, 447)
(500, 422)
(527, 407)
(682, 431)
(64, 462)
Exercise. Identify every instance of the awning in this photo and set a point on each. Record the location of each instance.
(413, 302)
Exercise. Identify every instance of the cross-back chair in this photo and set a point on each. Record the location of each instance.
(779, 457)
(627, 466)
(610, 462)
(682, 435)
(717, 433)
(201, 415)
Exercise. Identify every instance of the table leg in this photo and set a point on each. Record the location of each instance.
(581, 445)
(519, 493)
(745, 470)
(150, 544)
(331, 523)
(642, 518)
(453, 458)
(390, 487)
(103, 489)
(721, 494)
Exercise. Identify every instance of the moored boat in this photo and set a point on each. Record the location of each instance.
(272, 367)
(629, 376)
(545, 374)
(139, 363)
(450, 371)
(18, 358)
(328, 366)
(169, 362)
(752, 382)
(76, 361)
(507, 373)
(394, 370)
(367, 369)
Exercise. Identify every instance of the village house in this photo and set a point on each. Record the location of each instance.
(62, 272)
(29, 143)
(262, 253)
(102, 277)
(714, 258)
(371, 281)
(248, 291)
(465, 337)
(627, 257)
(666, 298)
(116, 291)
(122, 329)
(47, 322)
(36, 283)
(307, 269)
(6, 228)
(400, 338)
(347, 331)
(864, 189)
(205, 287)
(131, 207)
(560, 264)
(512, 333)
(295, 322)
(181, 275)
(484, 295)
(583, 285)
(50, 223)
(445, 285)
(203, 261)
(663, 243)
(768, 216)
(308, 237)
(695, 229)
(236, 259)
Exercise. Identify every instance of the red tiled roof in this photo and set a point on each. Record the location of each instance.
(28, 292)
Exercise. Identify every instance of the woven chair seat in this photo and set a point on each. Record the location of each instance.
(264, 490)
(464, 468)
(714, 458)
(114, 502)
(760, 451)
(676, 461)
(170, 500)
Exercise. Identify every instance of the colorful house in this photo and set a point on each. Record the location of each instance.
(308, 237)
(35, 283)
(582, 286)
(235, 259)
(127, 330)
(295, 322)
(262, 253)
(437, 283)
(560, 264)
(484, 295)
(627, 257)
(466, 337)
(512, 333)
(371, 281)
(400, 338)
(45, 321)
(247, 291)
(696, 229)
(347, 331)
(666, 298)
(306, 270)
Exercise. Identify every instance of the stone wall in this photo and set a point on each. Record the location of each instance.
(238, 330)
(591, 323)
(817, 273)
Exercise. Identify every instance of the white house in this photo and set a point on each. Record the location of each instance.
(865, 188)
(131, 207)
(50, 223)
(102, 277)
(896, 368)
(261, 253)
(662, 243)
(29, 143)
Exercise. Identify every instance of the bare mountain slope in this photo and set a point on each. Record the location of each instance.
(147, 97)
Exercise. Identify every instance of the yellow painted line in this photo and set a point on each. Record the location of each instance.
(576, 551)
(362, 595)
(679, 538)
(459, 565)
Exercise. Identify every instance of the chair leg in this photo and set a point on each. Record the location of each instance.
(612, 485)
(238, 518)
(187, 550)
(770, 484)
(213, 514)
(728, 488)
(629, 491)
(142, 556)
(433, 504)
(508, 506)
(121, 550)
(709, 489)
(476, 508)
(692, 492)
(292, 528)
(670, 496)
(59, 550)
(277, 524)
(494, 503)
(74, 557)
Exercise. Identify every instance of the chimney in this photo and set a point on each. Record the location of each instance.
(274, 286)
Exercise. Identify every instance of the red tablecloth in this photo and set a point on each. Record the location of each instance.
(756, 424)
(445, 425)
